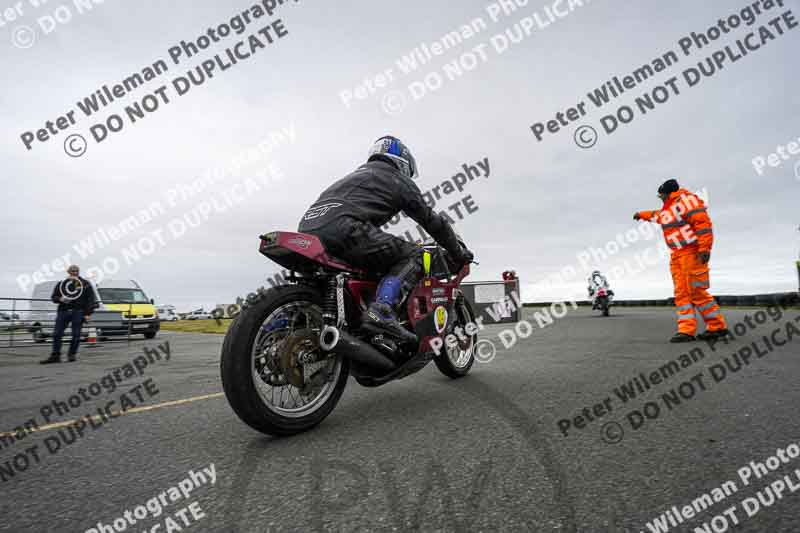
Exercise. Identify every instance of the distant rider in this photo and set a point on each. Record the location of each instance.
(347, 218)
(597, 281)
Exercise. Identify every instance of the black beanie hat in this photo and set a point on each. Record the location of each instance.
(669, 187)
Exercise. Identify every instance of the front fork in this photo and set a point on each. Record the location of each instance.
(462, 319)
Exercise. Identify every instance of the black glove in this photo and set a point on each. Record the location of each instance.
(637, 216)
(466, 256)
(457, 260)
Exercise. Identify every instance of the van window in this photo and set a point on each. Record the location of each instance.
(123, 296)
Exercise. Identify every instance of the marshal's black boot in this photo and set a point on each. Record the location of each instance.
(682, 337)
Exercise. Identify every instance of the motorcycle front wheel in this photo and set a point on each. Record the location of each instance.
(274, 375)
(456, 361)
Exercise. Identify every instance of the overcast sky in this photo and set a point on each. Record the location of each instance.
(543, 204)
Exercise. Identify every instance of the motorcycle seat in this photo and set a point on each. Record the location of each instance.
(301, 252)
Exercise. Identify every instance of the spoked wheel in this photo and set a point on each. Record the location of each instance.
(274, 374)
(455, 361)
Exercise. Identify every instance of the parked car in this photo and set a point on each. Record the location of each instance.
(199, 315)
(167, 313)
(12, 322)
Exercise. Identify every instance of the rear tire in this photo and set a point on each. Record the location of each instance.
(444, 361)
(237, 371)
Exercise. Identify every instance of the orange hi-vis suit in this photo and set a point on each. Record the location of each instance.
(688, 232)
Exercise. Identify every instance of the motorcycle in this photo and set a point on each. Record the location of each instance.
(602, 301)
(287, 356)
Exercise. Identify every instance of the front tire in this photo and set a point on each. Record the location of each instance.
(253, 350)
(456, 361)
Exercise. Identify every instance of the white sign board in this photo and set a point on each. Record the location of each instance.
(489, 294)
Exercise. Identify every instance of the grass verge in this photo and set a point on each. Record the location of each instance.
(197, 326)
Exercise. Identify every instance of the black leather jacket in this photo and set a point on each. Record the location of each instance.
(375, 193)
(84, 299)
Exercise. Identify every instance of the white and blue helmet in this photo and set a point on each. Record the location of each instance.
(389, 147)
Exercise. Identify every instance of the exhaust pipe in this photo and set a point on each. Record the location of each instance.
(328, 338)
(354, 349)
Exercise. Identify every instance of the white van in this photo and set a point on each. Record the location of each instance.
(42, 315)
(123, 307)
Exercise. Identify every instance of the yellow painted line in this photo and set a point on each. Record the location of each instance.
(98, 418)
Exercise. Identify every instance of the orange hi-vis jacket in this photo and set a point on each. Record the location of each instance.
(685, 222)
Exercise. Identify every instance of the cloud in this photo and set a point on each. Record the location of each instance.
(544, 203)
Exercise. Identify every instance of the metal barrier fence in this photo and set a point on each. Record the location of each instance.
(22, 325)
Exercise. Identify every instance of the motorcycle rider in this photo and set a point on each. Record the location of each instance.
(597, 281)
(347, 218)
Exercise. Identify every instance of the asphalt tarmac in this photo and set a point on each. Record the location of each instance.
(484, 453)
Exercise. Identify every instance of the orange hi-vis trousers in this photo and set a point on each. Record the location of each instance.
(691, 280)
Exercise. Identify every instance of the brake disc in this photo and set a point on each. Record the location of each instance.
(299, 348)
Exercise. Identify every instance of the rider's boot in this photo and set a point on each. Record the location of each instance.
(380, 317)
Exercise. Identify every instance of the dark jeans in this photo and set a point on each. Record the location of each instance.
(68, 316)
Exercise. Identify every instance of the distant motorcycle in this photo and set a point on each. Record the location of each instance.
(286, 358)
(603, 300)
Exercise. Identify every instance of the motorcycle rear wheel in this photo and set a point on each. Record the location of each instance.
(260, 352)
